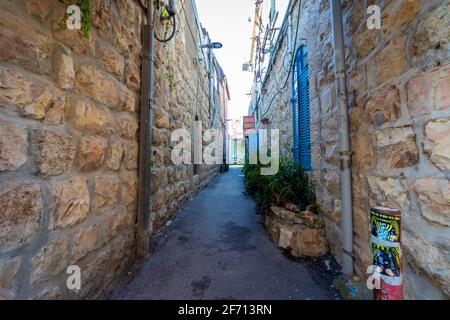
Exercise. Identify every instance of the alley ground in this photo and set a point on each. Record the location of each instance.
(217, 248)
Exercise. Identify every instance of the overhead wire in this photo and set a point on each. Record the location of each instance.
(291, 65)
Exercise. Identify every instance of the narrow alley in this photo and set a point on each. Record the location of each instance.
(217, 248)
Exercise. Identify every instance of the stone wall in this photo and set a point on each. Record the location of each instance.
(69, 119)
(180, 95)
(398, 87)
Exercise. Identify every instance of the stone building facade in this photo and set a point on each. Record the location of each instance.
(398, 86)
(69, 120)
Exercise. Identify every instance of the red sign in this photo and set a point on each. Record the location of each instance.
(249, 123)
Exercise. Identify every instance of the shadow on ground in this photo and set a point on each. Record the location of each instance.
(217, 248)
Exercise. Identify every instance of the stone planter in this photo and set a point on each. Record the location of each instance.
(301, 233)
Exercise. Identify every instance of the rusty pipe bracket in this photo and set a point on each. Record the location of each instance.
(346, 153)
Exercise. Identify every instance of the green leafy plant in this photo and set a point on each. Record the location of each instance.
(290, 184)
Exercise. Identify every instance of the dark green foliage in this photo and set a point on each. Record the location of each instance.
(290, 184)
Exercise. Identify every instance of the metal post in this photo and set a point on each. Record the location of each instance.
(344, 139)
(386, 252)
(145, 140)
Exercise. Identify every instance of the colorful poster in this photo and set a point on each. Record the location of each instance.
(384, 227)
(388, 259)
(386, 252)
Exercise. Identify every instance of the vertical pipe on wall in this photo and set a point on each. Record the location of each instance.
(344, 139)
(145, 137)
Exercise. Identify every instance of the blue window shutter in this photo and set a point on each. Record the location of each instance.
(300, 110)
(295, 114)
(304, 119)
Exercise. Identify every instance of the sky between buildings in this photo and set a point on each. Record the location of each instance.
(227, 21)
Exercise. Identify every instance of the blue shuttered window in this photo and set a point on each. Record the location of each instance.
(300, 110)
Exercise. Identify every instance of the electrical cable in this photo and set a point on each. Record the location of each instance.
(291, 66)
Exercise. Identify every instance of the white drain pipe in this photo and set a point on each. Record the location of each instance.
(344, 139)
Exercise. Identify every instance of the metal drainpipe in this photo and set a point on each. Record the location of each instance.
(145, 136)
(344, 139)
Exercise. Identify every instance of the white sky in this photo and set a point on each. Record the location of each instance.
(227, 22)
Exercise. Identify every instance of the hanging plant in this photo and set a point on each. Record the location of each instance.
(86, 16)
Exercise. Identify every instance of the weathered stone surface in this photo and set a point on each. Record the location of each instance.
(396, 148)
(363, 154)
(101, 20)
(70, 202)
(161, 119)
(389, 63)
(421, 94)
(33, 97)
(309, 242)
(65, 72)
(13, 145)
(159, 198)
(40, 8)
(129, 188)
(88, 117)
(51, 101)
(434, 199)
(433, 34)
(91, 152)
(427, 258)
(21, 204)
(49, 261)
(113, 226)
(160, 137)
(127, 126)
(23, 42)
(54, 151)
(6, 295)
(299, 233)
(106, 191)
(85, 241)
(398, 13)
(388, 192)
(110, 60)
(437, 143)
(128, 100)
(443, 90)
(8, 270)
(122, 38)
(97, 85)
(51, 293)
(364, 42)
(133, 76)
(384, 106)
(129, 13)
(131, 156)
(114, 155)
